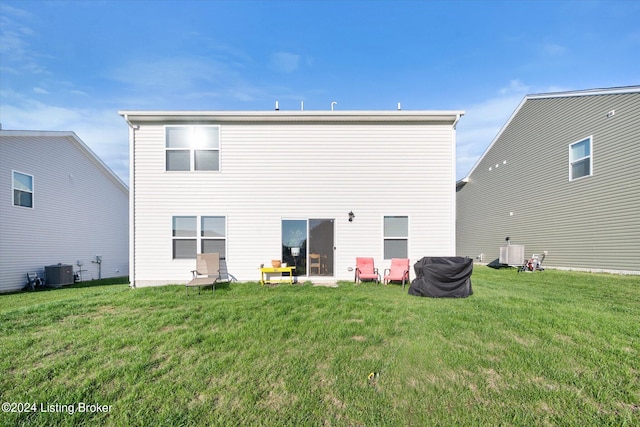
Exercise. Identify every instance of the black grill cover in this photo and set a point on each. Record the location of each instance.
(440, 277)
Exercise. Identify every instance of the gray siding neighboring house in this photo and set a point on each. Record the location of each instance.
(561, 176)
(59, 203)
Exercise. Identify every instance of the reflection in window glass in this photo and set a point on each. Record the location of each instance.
(213, 226)
(192, 148)
(209, 238)
(184, 226)
(396, 237)
(206, 160)
(294, 244)
(580, 159)
(22, 190)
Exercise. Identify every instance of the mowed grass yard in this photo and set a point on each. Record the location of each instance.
(545, 348)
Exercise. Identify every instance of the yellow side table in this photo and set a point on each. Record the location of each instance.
(266, 271)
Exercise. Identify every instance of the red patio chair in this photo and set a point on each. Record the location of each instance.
(399, 271)
(365, 269)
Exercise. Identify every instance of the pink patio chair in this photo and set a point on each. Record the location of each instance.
(366, 270)
(399, 271)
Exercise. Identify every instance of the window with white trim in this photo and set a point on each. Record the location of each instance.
(206, 233)
(213, 235)
(580, 159)
(396, 237)
(192, 148)
(22, 190)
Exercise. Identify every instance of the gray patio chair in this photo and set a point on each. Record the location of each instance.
(207, 272)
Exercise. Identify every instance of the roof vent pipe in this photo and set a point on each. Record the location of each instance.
(399, 107)
(277, 106)
(333, 104)
(301, 105)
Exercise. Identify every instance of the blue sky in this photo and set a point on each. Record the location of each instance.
(72, 65)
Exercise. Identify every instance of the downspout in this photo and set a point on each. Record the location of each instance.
(454, 206)
(132, 190)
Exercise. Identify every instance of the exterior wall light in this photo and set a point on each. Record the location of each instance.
(351, 216)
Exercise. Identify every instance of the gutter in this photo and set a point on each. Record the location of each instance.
(132, 190)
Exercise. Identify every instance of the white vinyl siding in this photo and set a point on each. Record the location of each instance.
(81, 209)
(278, 170)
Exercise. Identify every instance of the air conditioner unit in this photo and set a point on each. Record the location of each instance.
(58, 275)
(512, 255)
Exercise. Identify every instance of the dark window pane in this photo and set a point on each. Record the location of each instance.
(207, 160)
(395, 248)
(178, 160)
(184, 248)
(22, 198)
(581, 168)
(214, 246)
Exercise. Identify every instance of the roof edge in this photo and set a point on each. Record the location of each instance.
(293, 115)
(586, 92)
(566, 94)
(80, 144)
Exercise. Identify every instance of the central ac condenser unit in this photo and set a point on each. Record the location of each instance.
(58, 275)
(512, 254)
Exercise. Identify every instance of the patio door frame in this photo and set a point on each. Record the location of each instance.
(307, 244)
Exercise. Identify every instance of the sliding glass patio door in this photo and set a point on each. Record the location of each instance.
(308, 245)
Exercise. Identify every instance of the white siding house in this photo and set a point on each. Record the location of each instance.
(59, 204)
(254, 185)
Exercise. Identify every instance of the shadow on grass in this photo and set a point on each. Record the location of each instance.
(88, 284)
(124, 280)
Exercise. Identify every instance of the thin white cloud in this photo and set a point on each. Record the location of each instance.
(16, 51)
(285, 62)
(482, 122)
(553, 49)
(40, 91)
(515, 86)
(167, 74)
(185, 82)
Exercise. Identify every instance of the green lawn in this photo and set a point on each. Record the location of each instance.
(546, 348)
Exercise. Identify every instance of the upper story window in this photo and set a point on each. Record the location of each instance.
(192, 148)
(580, 159)
(22, 190)
(396, 237)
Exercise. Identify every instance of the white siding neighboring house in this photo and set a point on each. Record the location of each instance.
(561, 176)
(59, 204)
(254, 185)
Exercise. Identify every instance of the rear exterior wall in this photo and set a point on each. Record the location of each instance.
(275, 171)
